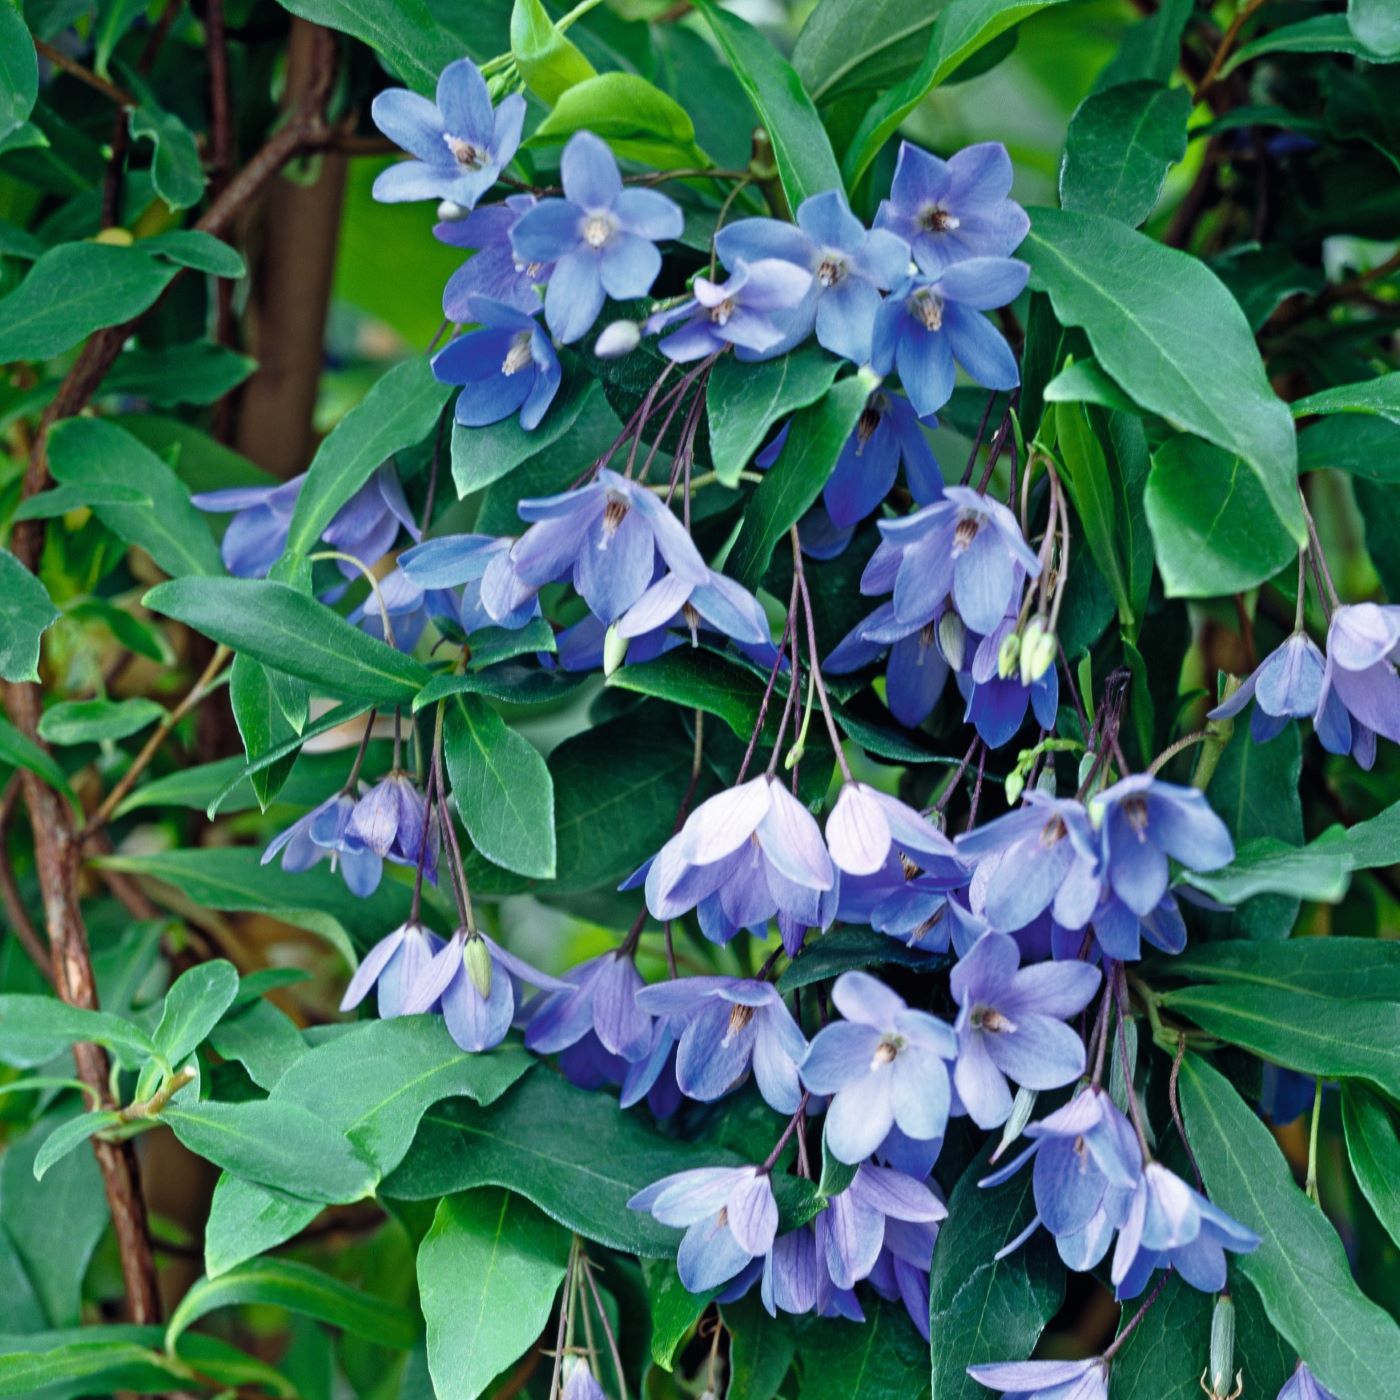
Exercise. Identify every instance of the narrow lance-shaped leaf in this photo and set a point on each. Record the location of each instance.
(25, 614)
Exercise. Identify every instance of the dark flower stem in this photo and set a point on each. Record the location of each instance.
(1100, 1036)
(813, 663)
(1137, 1316)
(791, 1128)
(981, 433)
(1174, 1099)
(607, 1328)
(456, 868)
(1319, 558)
(1135, 1112)
(788, 628)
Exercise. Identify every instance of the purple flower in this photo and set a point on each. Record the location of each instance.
(392, 967)
(866, 825)
(580, 1382)
(1360, 687)
(901, 1272)
(1142, 821)
(917, 669)
(461, 144)
(600, 237)
(1286, 685)
(792, 1273)
(885, 1064)
(1011, 1023)
(728, 1214)
(324, 832)
(493, 271)
(743, 857)
(408, 606)
(1303, 1385)
(730, 1024)
(508, 364)
(601, 997)
(915, 907)
(928, 322)
(719, 604)
(857, 1221)
(654, 1078)
(607, 536)
(950, 210)
(257, 534)
(367, 525)
(737, 312)
(1046, 1380)
(393, 821)
(466, 560)
(849, 268)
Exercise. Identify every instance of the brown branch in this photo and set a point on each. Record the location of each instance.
(1226, 46)
(15, 911)
(74, 69)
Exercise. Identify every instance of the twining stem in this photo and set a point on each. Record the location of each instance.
(341, 557)
(1310, 1185)
(1226, 47)
(789, 627)
(74, 69)
(1138, 1316)
(813, 664)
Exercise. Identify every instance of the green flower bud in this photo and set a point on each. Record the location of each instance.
(1008, 655)
(1015, 786)
(477, 957)
(952, 639)
(614, 650)
(1038, 650)
(1222, 1349)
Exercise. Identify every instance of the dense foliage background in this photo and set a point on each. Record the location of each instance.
(213, 1181)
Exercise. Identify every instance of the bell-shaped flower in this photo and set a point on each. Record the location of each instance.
(393, 967)
(727, 1025)
(950, 210)
(408, 607)
(849, 266)
(460, 143)
(1287, 684)
(858, 1219)
(927, 323)
(1046, 1380)
(867, 824)
(393, 821)
(1010, 1024)
(324, 834)
(654, 1078)
(1142, 821)
(257, 534)
(493, 271)
(579, 1381)
(452, 561)
(917, 669)
(899, 1276)
(1303, 1385)
(738, 312)
(367, 525)
(717, 605)
(728, 1214)
(506, 365)
(995, 704)
(601, 997)
(743, 857)
(792, 1273)
(1360, 696)
(884, 1064)
(600, 237)
(919, 909)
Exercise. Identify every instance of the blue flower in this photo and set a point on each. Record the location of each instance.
(849, 267)
(727, 1025)
(996, 704)
(257, 534)
(917, 669)
(1046, 1380)
(926, 323)
(600, 237)
(1286, 685)
(901, 1272)
(1303, 1385)
(737, 312)
(866, 826)
(601, 997)
(493, 271)
(918, 908)
(580, 1382)
(461, 144)
(393, 821)
(392, 967)
(955, 209)
(885, 1064)
(1360, 696)
(858, 1220)
(367, 525)
(408, 606)
(508, 364)
(718, 605)
(1011, 1024)
(323, 833)
(465, 561)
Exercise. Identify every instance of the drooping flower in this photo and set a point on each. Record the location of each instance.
(367, 525)
(324, 834)
(1360, 696)
(508, 364)
(849, 266)
(1011, 1024)
(1303, 1385)
(728, 1214)
(866, 824)
(885, 1064)
(393, 968)
(1286, 685)
(1046, 1380)
(408, 607)
(917, 669)
(738, 312)
(257, 534)
(901, 1272)
(460, 143)
(857, 1221)
(600, 237)
(493, 271)
(393, 821)
(927, 323)
(955, 209)
(601, 997)
(917, 907)
(791, 1273)
(725, 1026)
(452, 561)
(719, 605)
(997, 704)
(579, 1381)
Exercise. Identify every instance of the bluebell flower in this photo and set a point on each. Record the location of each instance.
(718, 605)
(393, 967)
(654, 1078)
(324, 834)
(950, 210)
(493, 271)
(1286, 685)
(367, 525)
(728, 1214)
(745, 856)
(997, 704)
(849, 267)
(920, 909)
(885, 1064)
(917, 669)
(601, 997)
(1360, 696)
(508, 364)
(927, 323)
(1142, 821)
(901, 1272)
(579, 1381)
(867, 825)
(858, 1219)
(1303, 1385)
(738, 312)
(393, 821)
(464, 561)
(600, 237)
(461, 143)
(725, 1026)
(262, 516)
(1046, 1380)
(607, 536)
(409, 608)
(791, 1273)
(1011, 1024)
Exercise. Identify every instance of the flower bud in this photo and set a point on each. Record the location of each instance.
(1015, 786)
(614, 650)
(1021, 1111)
(618, 339)
(1038, 648)
(450, 212)
(1008, 655)
(952, 639)
(1222, 1348)
(478, 959)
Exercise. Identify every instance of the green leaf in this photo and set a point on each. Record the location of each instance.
(25, 614)
(90, 452)
(502, 788)
(1211, 521)
(33, 1029)
(549, 62)
(699, 679)
(674, 1309)
(488, 1270)
(263, 1039)
(806, 165)
(286, 630)
(404, 33)
(1156, 318)
(981, 1308)
(194, 1005)
(850, 46)
(492, 645)
(635, 118)
(511, 682)
(744, 401)
(761, 1348)
(1380, 396)
(1376, 25)
(1090, 488)
(1084, 382)
(845, 948)
(1319, 34)
(73, 290)
(175, 169)
(284, 1283)
(1319, 871)
(1300, 1269)
(959, 31)
(93, 721)
(1380, 510)
(1361, 969)
(1150, 48)
(196, 249)
(790, 487)
(59, 500)
(21, 752)
(71, 1134)
(115, 17)
(1374, 1150)
(1121, 143)
(876, 1359)
(261, 725)
(19, 70)
(1262, 279)
(1366, 445)
(1368, 844)
(198, 372)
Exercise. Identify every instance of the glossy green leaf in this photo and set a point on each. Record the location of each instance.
(1121, 143)
(96, 721)
(1380, 396)
(1362, 969)
(1261, 279)
(33, 1029)
(635, 118)
(1268, 866)
(21, 752)
(70, 1135)
(488, 1271)
(501, 787)
(175, 168)
(511, 682)
(1374, 1150)
(19, 70)
(1317, 34)
(1156, 318)
(1300, 1269)
(761, 1348)
(288, 631)
(674, 1309)
(1091, 490)
(492, 645)
(25, 614)
(1366, 445)
(699, 680)
(850, 46)
(199, 372)
(194, 1005)
(1084, 382)
(871, 1360)
(261, 725)
(843, 949)
(188, 247)
(263, 1039)
(59, 500)
(548, 60)
(1151, 48)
